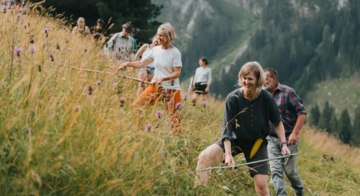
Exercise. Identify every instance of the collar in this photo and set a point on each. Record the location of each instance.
(124, 37)
(278, 88)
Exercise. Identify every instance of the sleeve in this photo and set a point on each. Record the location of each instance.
(228, 126)
(177, 59)
(196, 74)
(209, 77)
(274, 113)
(109, 43)
(296, 103)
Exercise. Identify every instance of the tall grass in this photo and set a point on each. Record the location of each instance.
(58, 139)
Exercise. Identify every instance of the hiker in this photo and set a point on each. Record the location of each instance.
(122, 45)
(167, 62)
(202, 80)
(293, 115)
(248, 111)
(145, 73)
(81, 28)
(98, 31)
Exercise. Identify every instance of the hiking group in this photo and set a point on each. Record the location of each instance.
(262, 119)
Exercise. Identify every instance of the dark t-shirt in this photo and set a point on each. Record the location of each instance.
(252, 124)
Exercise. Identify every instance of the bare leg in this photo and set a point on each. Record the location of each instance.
(208, 157)
(195, 96)
(204, 97)
(261, 185)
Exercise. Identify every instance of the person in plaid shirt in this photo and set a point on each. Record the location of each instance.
(293, 115)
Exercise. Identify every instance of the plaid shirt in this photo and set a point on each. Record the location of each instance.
(290, 107)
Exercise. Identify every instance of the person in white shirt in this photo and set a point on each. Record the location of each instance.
(146, 73)
(202, 80)
(168, 64)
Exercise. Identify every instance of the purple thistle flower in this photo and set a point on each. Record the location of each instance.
(98, 82)
(26, 10)
(39, 68)
(22, 22)
(124, 75)
(119, 48)
(158, 114)
(18, 51)
(64, 27)
(85, 50)
(32, 49)
(70, 49)
(90, 90)
(25, 26)
(4, 8)
(157, 125)
(203, 103)
(148, 127)
(122, 101)
(185, 97)
(194, 102)
(77, 108)
(66, 40)
(114, 84)
(18, 15)
(46, 30)
(178, 105)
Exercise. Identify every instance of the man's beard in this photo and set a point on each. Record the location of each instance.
(269, 87)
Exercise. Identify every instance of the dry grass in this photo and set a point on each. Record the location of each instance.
(56, 139)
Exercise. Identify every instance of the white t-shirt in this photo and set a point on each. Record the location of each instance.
(165, 61)
(146, 53)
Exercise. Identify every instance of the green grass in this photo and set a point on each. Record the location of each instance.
(56, 139)
(342, 93)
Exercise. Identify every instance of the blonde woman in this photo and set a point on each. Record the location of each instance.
(81, 28)
(146, 73)
(168, 64)
(240, 131)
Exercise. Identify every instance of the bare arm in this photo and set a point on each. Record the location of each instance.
(176, 74)
(135, 64)
(140, 52)
(299, 124)
(229, 159)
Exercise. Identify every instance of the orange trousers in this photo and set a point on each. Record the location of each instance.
(151, 95)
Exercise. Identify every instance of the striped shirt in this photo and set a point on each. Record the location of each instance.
(290, 106)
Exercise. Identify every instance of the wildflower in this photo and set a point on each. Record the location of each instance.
(31, 37)
(119, 48)
(77, 108)
(4, 8)
(148, 127)
(70, 49)
(124, 75)
(18, 52)
(25, 26)
(122, 101)
(194, 102)
(46, 30)
(26, 10)
(157, 125)
(98, 82)
(32, 49)
(178, 105)
(203, 103)
(22, 22)
(66, 40)
(90, 89)
(64, 27)
(164, 93)
(114, 84)
(29, 24)
(39, 67)
(168, 97)
(158, 114)
(185, 96)
(18, 15)
(85, 50)
(51, 57)
(57, 46)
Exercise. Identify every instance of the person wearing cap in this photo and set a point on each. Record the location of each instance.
(122, 45)
(98, 30)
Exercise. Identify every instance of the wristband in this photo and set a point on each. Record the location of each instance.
(284, 143)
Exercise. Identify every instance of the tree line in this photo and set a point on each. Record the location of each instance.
(142, 13)
(347, 132)
(307, 42)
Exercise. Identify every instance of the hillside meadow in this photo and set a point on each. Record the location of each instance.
(65, 131)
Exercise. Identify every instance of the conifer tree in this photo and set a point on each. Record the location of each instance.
(344, 127)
